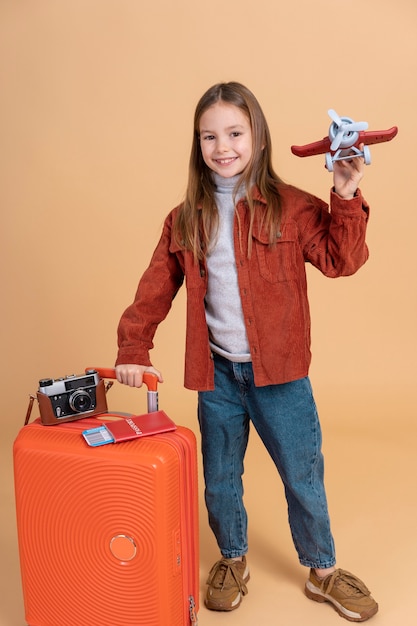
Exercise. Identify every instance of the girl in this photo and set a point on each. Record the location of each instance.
(240, 240)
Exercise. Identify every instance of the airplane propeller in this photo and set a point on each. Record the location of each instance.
(342, 131)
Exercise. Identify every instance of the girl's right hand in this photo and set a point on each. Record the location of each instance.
(132, 375)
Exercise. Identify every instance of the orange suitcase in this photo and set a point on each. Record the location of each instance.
(108, 536)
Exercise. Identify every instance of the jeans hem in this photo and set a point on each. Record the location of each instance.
(316, 565)
(234, 554)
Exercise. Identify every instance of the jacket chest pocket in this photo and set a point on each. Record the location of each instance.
(277, 262)
(195, 273)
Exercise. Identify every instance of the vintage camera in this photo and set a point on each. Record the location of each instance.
(71, 398)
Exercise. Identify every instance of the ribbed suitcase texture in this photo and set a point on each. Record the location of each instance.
(107, 536)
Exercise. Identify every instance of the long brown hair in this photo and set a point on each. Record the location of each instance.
(197, 218)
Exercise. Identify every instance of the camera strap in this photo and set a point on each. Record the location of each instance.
(30, 407)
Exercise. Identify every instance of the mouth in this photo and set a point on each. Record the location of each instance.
(226, 161)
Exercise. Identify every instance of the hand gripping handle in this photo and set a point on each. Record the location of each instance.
(150, 380)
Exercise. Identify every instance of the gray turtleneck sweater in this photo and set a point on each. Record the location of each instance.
(223, 306)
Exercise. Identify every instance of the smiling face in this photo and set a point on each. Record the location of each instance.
(225, 139)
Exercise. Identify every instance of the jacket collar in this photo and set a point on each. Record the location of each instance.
(255, 193)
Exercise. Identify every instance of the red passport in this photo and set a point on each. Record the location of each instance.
(130, 427)
(140, 426)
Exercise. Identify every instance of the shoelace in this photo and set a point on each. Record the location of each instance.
(221, 570)
(343, 578)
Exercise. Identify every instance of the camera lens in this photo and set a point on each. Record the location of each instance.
(80, 401)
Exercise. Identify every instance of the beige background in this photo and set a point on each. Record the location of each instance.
(96, 106)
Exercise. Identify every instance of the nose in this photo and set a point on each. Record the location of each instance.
(223, 145)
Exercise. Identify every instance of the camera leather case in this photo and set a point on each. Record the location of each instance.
(51, 415)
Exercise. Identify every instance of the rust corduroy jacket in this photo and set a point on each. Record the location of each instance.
(272, 285)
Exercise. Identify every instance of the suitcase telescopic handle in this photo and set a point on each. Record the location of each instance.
(149, 378)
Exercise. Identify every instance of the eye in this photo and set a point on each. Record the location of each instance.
(236, 133)
(207, 137)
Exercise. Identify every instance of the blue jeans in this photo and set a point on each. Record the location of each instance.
(285, 416)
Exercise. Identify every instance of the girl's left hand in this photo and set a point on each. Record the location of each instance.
(347, 176)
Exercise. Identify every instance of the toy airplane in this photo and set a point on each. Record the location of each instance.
(345, 137)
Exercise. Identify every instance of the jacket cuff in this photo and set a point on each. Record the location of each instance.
(354, 206)
(124, 357)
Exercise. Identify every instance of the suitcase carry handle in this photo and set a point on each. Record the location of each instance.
(149, 378)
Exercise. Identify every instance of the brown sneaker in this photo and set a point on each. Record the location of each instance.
(349, 595)
(227, 584)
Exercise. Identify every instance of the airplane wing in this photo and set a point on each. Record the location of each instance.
(311, 149)
(377, 136)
